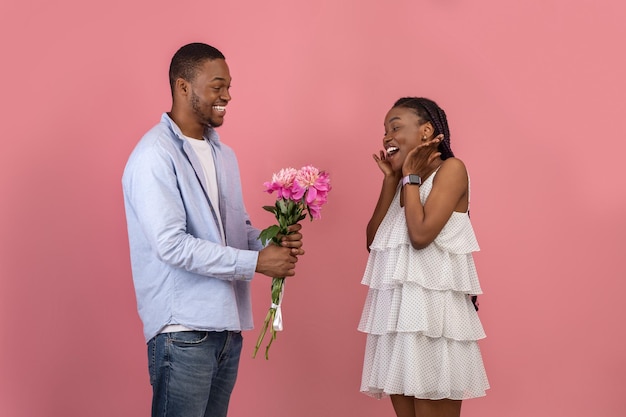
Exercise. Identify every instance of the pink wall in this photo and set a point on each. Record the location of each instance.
(535, 98)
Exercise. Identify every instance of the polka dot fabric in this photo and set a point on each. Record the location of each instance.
(421, 324)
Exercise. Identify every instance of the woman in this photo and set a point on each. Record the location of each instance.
(421, 323)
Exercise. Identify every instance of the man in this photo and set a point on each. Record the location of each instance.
(193, 249)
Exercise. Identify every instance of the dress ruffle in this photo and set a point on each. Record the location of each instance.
(434, 268)
(456, 237)
(446, 368)
(412, 308)
(422, 326)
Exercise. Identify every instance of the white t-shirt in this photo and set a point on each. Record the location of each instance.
(205, 154)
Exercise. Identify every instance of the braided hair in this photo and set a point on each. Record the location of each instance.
(428, 111)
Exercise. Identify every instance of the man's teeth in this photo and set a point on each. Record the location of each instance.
(220, 108)
(391, 150)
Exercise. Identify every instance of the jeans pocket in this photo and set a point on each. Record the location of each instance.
(188, 338)
(152, 360)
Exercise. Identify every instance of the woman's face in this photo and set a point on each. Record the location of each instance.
(403, 133)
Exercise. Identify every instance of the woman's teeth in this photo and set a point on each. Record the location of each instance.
(391, 150)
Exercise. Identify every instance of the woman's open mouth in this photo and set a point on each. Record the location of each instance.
(391, 150)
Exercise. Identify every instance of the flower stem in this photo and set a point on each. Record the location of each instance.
(267, 348)
(268, 319)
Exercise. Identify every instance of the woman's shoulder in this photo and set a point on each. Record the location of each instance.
(452, 167)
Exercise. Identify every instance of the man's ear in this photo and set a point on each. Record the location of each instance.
(182, 87)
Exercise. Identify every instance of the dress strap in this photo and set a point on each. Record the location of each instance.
(468, 193)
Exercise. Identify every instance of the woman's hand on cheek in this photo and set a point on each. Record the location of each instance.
(419, 159)
(383, 164)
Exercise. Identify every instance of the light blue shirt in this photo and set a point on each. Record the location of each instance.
(182, 272)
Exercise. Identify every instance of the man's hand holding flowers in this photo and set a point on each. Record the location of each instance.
(280, 261)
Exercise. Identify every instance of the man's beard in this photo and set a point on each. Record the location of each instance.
(202, 116)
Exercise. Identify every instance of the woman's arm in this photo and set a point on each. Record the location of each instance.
(387, 192)
(385, 198)
(449, 193)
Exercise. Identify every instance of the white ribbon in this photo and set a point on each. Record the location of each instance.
(277, 325)
(278, 318)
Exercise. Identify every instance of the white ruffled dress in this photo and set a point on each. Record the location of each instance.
(421, 324)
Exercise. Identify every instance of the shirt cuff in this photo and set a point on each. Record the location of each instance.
(246, 264)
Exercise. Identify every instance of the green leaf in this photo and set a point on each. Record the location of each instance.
(269, 234)
(271, 209)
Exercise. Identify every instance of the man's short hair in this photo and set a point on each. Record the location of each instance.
(188, 58)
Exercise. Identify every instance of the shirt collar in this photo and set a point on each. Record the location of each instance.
(209, 133)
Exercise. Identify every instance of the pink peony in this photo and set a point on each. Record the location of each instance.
(315, 207)
(313, 182)
(283, 183)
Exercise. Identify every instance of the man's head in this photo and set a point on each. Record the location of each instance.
(200, 80)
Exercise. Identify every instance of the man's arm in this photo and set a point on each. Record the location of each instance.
(155, 203)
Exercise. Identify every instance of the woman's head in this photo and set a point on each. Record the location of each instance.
(429, 112)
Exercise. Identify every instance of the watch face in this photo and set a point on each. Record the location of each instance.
(412, 179)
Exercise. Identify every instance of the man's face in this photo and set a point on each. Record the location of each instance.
(209, 92)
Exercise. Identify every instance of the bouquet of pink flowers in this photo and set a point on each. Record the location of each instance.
(298, 192)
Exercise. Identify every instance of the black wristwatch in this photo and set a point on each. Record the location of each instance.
(411, 179)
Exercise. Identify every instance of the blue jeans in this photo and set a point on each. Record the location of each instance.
(193, 373)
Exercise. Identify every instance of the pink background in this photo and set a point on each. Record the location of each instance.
(534, 93)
